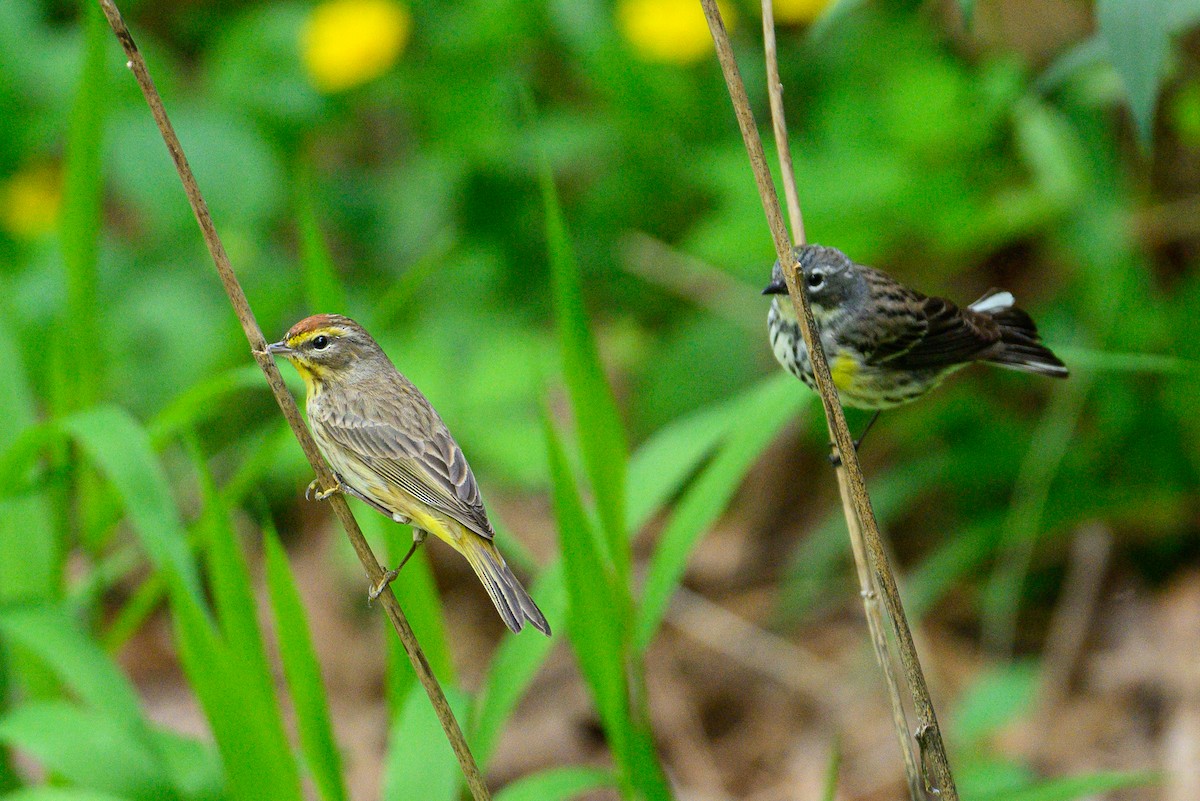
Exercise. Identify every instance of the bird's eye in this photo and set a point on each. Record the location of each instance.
(816, 280)
(320, 342)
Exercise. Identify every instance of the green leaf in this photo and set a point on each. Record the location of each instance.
(109, 758)
(671, 455)
(420, 762)
(1147, 363)
(204, 399)
(1137, 33)
(994, 700)
(29, 564)
(194, 766)
(254, 750)
(60, 794)
(83, 189)
(53, 637)
(322, 286)
(558, 784)
(597, 421)
(303, 673)
(1068, 788)
(760, 418)
(229, 582)
(121, 449)
(514, 666)
(832, 770)
(593, 615)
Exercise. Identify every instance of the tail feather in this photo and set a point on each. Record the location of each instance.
(1020, 347)
(511, 600)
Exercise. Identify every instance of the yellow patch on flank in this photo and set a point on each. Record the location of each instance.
(843, 370)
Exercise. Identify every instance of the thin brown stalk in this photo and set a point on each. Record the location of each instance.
(287, 404)
(1091, 549)
(928, 734)
(779, 121)
(866, 582)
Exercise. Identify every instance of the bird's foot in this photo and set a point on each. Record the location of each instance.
(376, 590)
(314, 492)
(378, 587)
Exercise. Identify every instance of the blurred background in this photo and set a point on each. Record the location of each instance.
(384, 159)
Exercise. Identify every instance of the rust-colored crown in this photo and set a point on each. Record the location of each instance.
(319, 321)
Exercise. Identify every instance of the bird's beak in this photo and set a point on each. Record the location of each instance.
(776, 288)
(279, 349)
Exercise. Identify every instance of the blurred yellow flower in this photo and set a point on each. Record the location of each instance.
(347, 43)
(672, 31)
(30, 201)
(799, 11)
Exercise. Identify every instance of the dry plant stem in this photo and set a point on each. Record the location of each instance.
(1088, 566)
(866, 581)
(879, 643)
(258, 346)
(929, 734)
(779, 121)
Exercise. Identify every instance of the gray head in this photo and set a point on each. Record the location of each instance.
(329, 347)
(829, 276)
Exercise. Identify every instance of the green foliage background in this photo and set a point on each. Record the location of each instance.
(484, 209)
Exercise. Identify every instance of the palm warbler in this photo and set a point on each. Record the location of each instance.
(388, 447)
(888, 344)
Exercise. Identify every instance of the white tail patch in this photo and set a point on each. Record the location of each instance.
(994, 302)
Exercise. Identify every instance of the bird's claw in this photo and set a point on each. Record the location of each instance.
(313, 491)
(378, 587)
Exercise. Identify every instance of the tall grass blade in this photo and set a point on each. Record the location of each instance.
(60, 794)
(665, 462)
(119, 446)
(81, 220)
(1092, 359)
(760, 419)
(514, 665)
(50, 635)
(88, 748)
(322, 287)
(53, 636)
(1070, 788)
(559, 784)
(593, 613)
(832, 770)
(254, 750)
(205, 399)
(420, 762)
(303, 674)
(1137, 33)
(29, 552)
(597, 421)
(30, 562)
(194, 765)
(229, 582)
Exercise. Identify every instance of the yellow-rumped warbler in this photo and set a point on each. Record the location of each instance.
(388, 447)
(887, 344)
